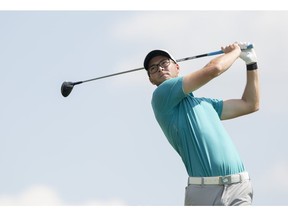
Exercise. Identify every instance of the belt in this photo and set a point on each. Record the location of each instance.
(219, 180)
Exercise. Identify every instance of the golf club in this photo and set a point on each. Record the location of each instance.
(67, 87)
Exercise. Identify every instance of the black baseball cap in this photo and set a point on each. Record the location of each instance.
(154, 53)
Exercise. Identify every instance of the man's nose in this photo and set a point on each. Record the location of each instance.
(159, 67)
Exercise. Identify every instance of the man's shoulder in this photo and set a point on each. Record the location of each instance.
(168, 84)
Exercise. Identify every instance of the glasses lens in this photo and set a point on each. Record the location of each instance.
(165, 63)
(154, 68)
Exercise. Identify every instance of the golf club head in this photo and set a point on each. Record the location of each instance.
(66, 88)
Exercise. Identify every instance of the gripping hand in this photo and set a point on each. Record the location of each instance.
(247, 55)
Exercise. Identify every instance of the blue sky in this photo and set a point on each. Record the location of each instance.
(102, 145)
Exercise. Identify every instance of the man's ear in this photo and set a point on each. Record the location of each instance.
(178, 68)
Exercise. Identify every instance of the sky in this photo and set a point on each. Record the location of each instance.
(102, 144)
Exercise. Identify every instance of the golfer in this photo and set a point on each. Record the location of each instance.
(192, 125)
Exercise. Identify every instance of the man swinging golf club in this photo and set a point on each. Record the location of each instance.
(192, 125)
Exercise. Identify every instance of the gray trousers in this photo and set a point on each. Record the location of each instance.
(219, 195)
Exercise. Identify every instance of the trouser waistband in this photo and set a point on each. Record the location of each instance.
(219, 180)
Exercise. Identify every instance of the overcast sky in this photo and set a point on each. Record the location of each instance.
(102, 145)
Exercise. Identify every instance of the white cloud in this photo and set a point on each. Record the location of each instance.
(42, 195)
(34, 195)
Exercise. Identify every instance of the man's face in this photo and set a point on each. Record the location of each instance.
(162, 68)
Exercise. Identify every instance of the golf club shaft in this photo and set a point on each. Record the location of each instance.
(137, 69)
(110, 75)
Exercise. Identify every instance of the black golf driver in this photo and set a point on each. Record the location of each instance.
(67, 87)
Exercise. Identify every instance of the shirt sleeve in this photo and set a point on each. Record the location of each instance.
(217, 105)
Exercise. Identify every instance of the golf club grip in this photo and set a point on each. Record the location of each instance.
(250, 46)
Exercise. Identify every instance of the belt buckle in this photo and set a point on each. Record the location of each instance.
(226, 180)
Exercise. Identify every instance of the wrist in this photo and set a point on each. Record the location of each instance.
(252, 66)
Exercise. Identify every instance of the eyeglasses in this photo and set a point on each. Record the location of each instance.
(154, 68)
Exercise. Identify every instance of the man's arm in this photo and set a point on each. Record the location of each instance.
(248, 103)
(214, 68)
(250, 99)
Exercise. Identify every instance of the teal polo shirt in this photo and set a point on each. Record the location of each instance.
(193, 127)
